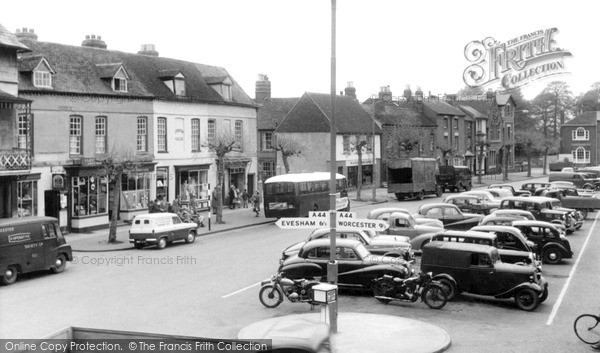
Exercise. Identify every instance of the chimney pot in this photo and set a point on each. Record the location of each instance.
(99, 37)
(148, 49)
(262, 88)
(25, 29)
(93, 42)
(87, 36)
(26, 34)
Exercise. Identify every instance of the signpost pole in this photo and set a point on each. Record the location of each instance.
(332, 266)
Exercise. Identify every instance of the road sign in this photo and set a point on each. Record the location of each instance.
(362, 224)
(325, 214)
(302, 223)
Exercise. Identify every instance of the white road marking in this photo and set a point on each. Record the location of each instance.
(566, 285)
(243, 289)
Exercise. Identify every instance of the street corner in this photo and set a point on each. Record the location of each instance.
(387, 334)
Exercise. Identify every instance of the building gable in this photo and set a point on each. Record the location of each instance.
(305, 116)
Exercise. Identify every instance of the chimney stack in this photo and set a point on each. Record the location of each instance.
(407, 93)
(148, 49)
(262, 88)
(490, 94)
(419, 93)
(385, 93)
(26, 34)
(350, 91)
(93, 42)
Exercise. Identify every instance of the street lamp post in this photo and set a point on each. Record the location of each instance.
(481, 143)
(374, 196)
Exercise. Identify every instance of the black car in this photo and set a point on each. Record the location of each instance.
(450, 215)
(552, 245)
(357, 267)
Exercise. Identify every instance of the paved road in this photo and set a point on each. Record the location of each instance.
(210, 289)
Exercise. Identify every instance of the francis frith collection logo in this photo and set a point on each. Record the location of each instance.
(516, 62)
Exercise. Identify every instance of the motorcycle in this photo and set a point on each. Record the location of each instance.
(388, 288)
(297, 290)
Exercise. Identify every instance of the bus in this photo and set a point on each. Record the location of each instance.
(294, 195)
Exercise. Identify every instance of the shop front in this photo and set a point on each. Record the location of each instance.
(135, 192)
(19, 194)
(88, 194)
(192, 183)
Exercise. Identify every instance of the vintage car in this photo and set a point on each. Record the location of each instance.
(391, 245)
(572, 190)
(385, 212)
(542, 209)
(500, 193)
(471, 203)
(531, 187)
(160, 229)
(509, 237)
(513, 191)
(508, 250)
(405, 224)
(357, 266)
(571, 199)
(477, 269)
(450, 215)
(513, 213)
(552, 245)
(498, 220)
(580, 180)
(485, 196)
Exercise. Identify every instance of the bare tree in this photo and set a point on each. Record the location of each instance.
(447, 151)
(561, 103)
(530, 144)
(288, 147)
(114, 164)
(224, 142)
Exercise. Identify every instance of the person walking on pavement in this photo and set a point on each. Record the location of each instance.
(245, 198)
(176, 205)
(232, 196)
(256, 202)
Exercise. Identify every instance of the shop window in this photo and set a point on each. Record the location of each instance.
(193, 183)
(89, 196)
(135, 191)
(162, 183)
(27, 198)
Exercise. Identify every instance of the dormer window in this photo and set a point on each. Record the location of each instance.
(42, 74)
(175, 80)
(223, 85)
(116, 75)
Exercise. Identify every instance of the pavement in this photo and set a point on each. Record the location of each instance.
(386, 333)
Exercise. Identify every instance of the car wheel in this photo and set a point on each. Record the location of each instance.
(139, 245)
(400, 197)
(59, 264)
(552, 256)
(469, 186)
(270, 296)
(438, 191)
(9, 276)
(190, 237)
(162, 243)
(449, 287)
(544, 295)
(419, 195)
(588, 187)
(527, 299)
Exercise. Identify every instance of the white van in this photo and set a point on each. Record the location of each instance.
(160, 229)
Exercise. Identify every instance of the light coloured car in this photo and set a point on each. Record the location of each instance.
(160, 229)
(385, 212)
(500, 193)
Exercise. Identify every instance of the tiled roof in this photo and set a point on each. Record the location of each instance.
(586, 118)
(273, 111)
(7, 39)
(312, 113)
(472, 112)
(442, 108)
(502, 98)
(391, 114)
(108, 70)
(9, 98)
(77, 72)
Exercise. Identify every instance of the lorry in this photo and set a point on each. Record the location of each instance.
(413, 178)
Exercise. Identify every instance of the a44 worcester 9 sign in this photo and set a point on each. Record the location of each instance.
(516, 62)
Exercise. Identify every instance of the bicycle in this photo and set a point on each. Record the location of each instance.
(587, 328)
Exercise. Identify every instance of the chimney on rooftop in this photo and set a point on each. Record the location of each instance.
(350, 91)
(148, 49)
(419, 93)
(262, 89)
(407, 93)
(93, 42)
(490, 94)
(385, 93)
(26, 34)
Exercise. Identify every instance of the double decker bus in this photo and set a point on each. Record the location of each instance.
(294, 195)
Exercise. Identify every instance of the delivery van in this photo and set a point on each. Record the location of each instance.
(30, 244)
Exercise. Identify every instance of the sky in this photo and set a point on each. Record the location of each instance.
(378, 42)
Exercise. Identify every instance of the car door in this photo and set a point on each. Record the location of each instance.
(453, 218)
(179, 228)
(350, 267)
(435, 213)
(484, 276)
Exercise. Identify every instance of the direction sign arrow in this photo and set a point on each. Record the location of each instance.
(302, 223)
(362, 224)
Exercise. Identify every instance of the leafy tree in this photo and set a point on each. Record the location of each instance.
(530, 144)
(468, 91)
(223, 143)
(114, 164)
(589, 101)
(288, 147)
(561, 104)
(359, 145)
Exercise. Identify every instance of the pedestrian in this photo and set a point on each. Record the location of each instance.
(214, 199)
(256, 202)
(151, 206)
(163, 206)
(245, 198)
(232, 196)
(176, 205)
(193, 204)
(156, 206)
